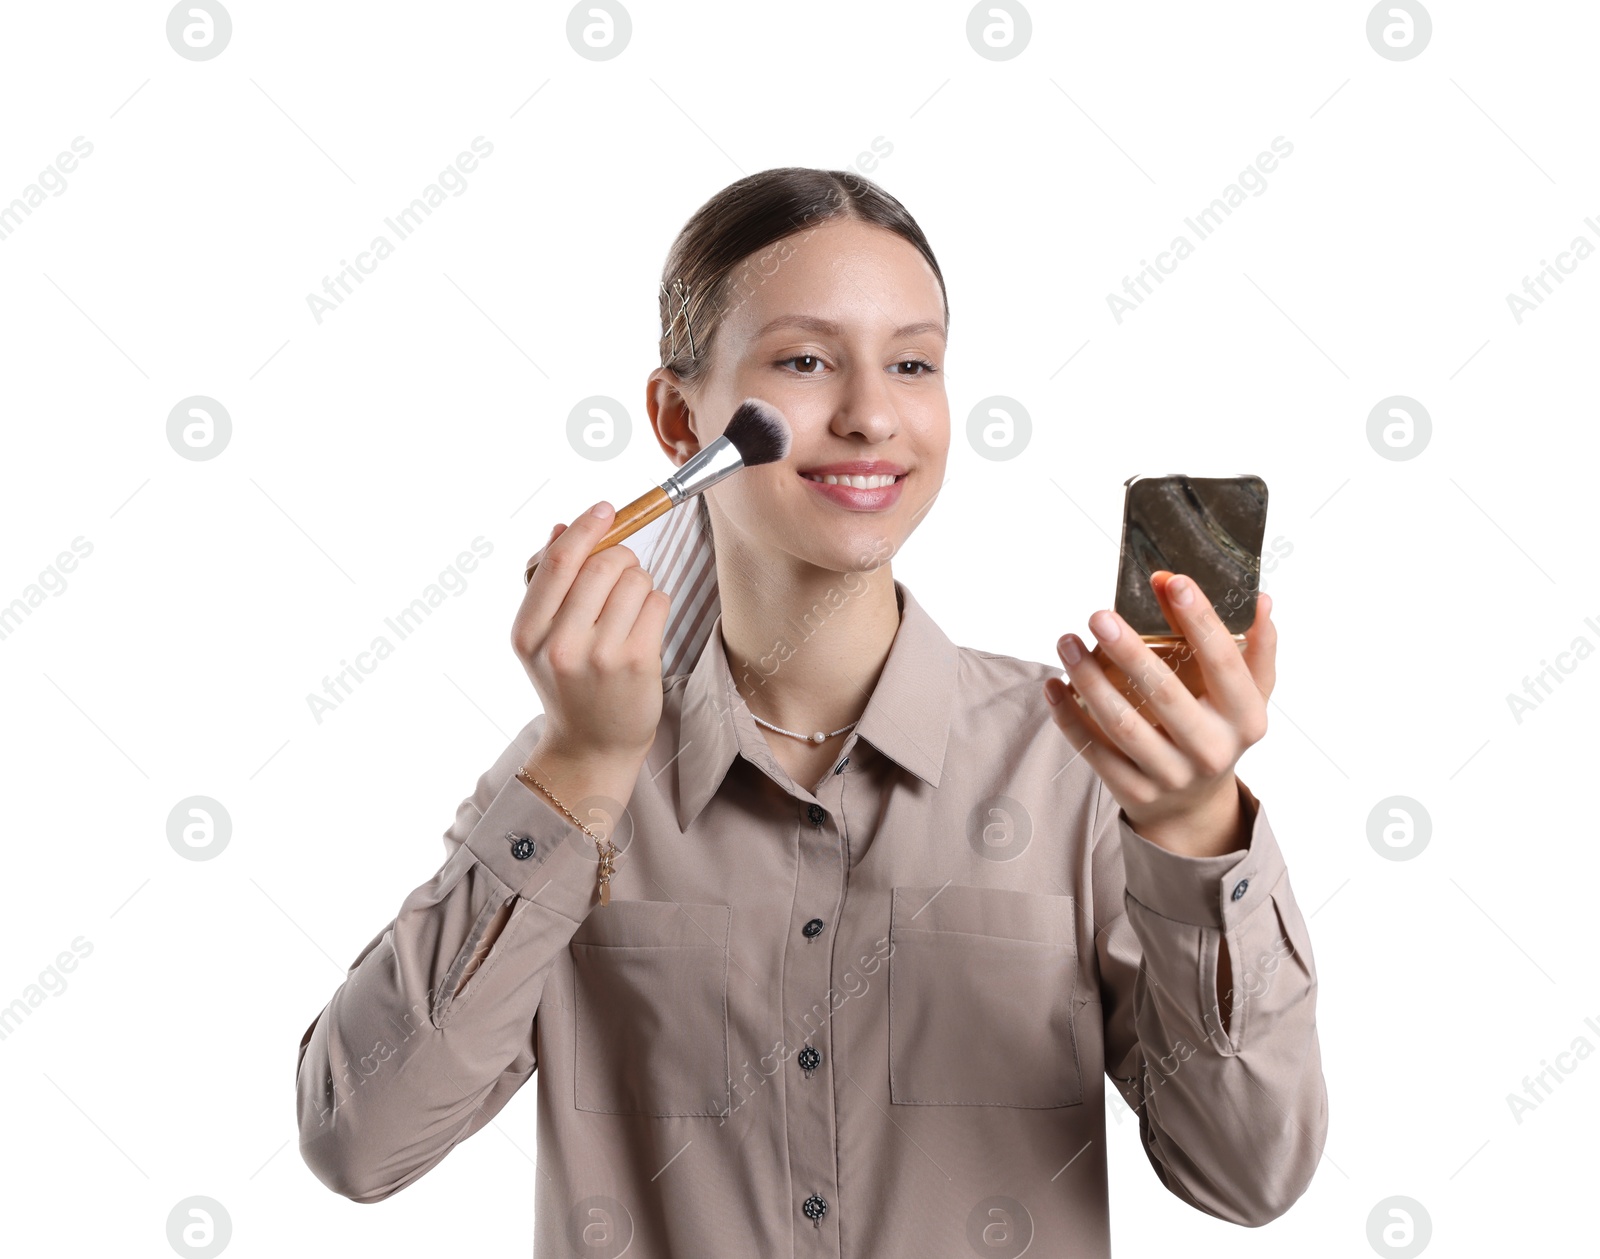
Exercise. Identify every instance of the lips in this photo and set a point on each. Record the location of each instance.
(857, 491)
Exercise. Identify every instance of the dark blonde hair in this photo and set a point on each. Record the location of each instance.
(710, 268)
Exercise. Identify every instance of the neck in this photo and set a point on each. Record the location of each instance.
(805, 645)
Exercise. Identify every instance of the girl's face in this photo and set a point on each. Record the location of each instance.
(841, 327)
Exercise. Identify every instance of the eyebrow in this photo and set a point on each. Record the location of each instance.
(828, 328)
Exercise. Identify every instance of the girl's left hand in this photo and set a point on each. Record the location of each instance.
(1175, 784)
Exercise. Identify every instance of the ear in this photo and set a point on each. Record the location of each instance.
(671, 415)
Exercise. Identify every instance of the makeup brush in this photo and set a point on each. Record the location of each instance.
(756, 434)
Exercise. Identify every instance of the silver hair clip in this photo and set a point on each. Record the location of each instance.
(672, 316)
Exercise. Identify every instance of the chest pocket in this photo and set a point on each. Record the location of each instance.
(650, 983)
(982, 993)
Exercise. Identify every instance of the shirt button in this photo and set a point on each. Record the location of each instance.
(1239, 887)
(521, 846)
(812, 928)
(816, 813)
(809, 1060)
(815, 1207)
(839, 768)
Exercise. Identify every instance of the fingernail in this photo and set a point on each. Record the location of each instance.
(1050, 695)
(1181, 591)
(1069, 649)
(1105, 627)
(602, 509)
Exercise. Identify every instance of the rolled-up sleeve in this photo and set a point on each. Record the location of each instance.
(1233, 1117)
(398, 1069)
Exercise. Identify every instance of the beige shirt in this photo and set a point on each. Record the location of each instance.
(863, 1019)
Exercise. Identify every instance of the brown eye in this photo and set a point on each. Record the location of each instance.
(803, 358)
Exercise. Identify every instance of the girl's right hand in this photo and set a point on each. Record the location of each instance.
(589, 635)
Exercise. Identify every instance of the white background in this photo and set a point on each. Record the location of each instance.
(430, 408)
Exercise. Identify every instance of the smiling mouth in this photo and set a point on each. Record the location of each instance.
(875, 482)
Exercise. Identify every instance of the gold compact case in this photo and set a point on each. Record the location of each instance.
(1208, 528)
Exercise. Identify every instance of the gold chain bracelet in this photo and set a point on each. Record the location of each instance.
(604, 847)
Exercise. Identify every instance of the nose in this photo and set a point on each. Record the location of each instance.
(867, 406)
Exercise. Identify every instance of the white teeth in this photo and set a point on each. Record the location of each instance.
(856, 482)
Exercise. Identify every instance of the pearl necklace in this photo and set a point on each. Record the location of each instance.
(818, 737)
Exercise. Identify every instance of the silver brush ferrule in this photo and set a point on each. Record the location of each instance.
(719, 460)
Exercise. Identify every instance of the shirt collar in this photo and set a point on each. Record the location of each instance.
(907, 717)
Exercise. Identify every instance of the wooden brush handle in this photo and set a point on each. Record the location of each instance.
(629, 520)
